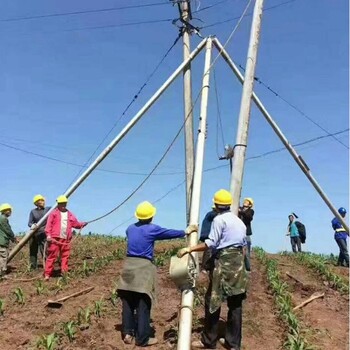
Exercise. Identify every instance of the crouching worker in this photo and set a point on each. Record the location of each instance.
(137, 283)
(59, 234)
(227, 278)
(6, 235)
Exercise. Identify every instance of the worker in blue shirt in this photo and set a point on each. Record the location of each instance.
(293, 233)
(340, 236)
(227, 278)
(137, 283)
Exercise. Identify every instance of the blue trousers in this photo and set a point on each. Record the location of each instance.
(136, 316)
(343, 252)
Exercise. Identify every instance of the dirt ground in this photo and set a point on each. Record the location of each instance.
(22, 325)
(327, 319)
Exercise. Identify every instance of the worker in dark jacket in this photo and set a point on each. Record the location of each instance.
(246, 214)
(205, 230)
(37, 241)
(137, 286)
(6, 235)
(340, 236)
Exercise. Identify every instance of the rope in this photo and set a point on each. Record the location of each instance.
(182, 126)
(129, 105)
(154, 168)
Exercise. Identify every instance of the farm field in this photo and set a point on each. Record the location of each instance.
(93, 320)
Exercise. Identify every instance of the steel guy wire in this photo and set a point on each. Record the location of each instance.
(295, 108)
(130, 103)
(247, 15)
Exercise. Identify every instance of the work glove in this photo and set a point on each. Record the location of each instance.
(183, 252)
(48, 238)
(34, 226)
(191, 228)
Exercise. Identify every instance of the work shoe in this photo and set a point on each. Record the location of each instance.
(128, 339)
(152, 341)
(46, 278)
(198, 344)
(222, 342)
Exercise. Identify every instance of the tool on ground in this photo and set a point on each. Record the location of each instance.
(58, 303)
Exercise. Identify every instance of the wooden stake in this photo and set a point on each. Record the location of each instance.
(314, 296)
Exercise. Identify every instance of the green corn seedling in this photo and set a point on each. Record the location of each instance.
(39, 287)
(84, 316)
(98, 307)
(114, 297)
(69, 329)
(48, 342)
(20, 299)
(2, 307)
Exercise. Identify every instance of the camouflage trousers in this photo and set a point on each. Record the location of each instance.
(3, 260)
(229, 277)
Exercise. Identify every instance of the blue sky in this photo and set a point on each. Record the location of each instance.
(63, 86)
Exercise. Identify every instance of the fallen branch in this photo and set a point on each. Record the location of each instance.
(294, 278)
(313, 297)
(22, 279)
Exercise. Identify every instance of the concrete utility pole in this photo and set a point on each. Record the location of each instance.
(244, 113)
(185, 13)
(298, 159)
(186, 312)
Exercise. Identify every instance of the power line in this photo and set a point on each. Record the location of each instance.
(223, 166)
(166, 173)
(284, 149)
(247, 15)
(121, 25)
(73, 13)
(296, 108)
(150, 76)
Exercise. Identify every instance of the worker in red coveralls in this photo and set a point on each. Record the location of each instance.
(59, 234)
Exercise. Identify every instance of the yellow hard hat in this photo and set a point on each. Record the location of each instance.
(5, 206)
(38, 197)
(145, 211)
(222, 197)
(250, 200)
(61, 199)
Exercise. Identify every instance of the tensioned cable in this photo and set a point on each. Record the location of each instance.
(154, 168)
(247, 15)
(130, 103)
(296, 108)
